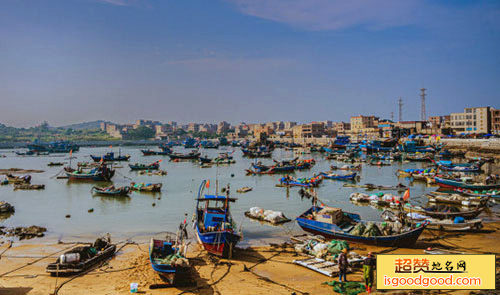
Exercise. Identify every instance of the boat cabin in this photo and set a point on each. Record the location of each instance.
(213, 213)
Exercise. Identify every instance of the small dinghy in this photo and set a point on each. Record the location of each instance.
(82, 258)
(18, 179)
(244, 189)
(145, 187)
(27, 186)
(55, 164)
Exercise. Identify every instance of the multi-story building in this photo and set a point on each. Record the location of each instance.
(288, 125)
(193, 127)
(472, 120)
(314, 129)
(362, 122)
(223, 127)
(495, 121)
(342, 128)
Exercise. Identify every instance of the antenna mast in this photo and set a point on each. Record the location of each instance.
(400, 102)
(422, 114)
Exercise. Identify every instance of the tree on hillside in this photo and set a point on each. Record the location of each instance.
(141, 132)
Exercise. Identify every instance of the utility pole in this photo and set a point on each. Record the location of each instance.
(400, 102)
(392, 116)
(423, 117)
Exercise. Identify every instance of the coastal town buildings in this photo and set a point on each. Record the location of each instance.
(495, 121)
(472, 120)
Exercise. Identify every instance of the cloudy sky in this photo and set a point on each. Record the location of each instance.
(70, 61)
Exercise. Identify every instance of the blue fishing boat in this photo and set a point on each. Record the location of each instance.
(302, 182)
(110, 157)
(333, 223)
(215, 228)
(52, 147)
(456, 183)
(334, 176)
(190, 143)
(168, 256)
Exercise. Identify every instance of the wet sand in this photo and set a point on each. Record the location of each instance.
(254, 270)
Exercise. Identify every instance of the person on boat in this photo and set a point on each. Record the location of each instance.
(343, 263)
(368, 269)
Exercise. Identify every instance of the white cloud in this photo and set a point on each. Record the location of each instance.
(321, 15)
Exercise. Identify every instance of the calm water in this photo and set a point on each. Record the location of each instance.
(136, 218)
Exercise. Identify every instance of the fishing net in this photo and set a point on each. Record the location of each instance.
(348, 288)
(372, 230)
(358, 230)
(335, 246)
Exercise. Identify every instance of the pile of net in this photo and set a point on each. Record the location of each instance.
(369, 230)
(267, 215)
(349, 288)
(173, 259)
(322, 250)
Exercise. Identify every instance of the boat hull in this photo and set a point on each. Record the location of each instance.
(220, 243)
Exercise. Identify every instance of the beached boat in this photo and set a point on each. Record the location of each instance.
(193, 155)
(493, 193)
(103, 172)
(110, 157)
(215, 227)
(334, 176)
(111, 190)
(466, 183)
(152, 166)
(453, 225)
(18, 179)
(82, 258)
(27, 186)
(333, 223)
(168, 256)
(145, 187)
(303, 182)
(444, 211)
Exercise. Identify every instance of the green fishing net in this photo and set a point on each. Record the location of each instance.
(348, 288)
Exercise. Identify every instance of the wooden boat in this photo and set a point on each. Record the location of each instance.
(257, 153)
(457, 199)
(142, 187)
(111, 190)
(82, 258)
(303, 182)
(438, 224)
(334, 176)
(193, 155)
(110, 157)
(332, 223)
(168, 256)
(205, 160)
(27, 186)
(275, 168)
(256, 172)
(349, 167)
(453, 183)
(18, 179)
(55, 163)
(493, 193)
(164, 152)
(244, 189)
(103, 172)
(6, 207)
(444, 212)
(368, 186)
(215, 227)
(152, 166)
(158, 172)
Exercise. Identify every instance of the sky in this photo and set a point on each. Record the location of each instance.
(72, 61)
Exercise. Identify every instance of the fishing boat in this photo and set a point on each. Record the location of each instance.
(302, 182)
(111, 190)
(193, 155)
(256, 172)
(164, 152)
(215, 227)
(110, 157)
(152, 166)
(457, 199)
(493, 193)
(465, 183)
(6, 207)
(103, 172)
(82, 258)
(437, 224)
(244, 189)
(257, 153)
(333, 223)
(278, 168)
(205, 160)
(444, 211)
(53, 147)
(168, 256)
(419, 157)
(27, 186)
(56, 164)
(145, 187)
(18, 179)
(334, 176)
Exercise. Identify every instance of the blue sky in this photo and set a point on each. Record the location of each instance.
(70, 61)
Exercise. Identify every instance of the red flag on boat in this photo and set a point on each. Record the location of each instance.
(406, 196)
(70, 153)
(102, 160)
(207, 185)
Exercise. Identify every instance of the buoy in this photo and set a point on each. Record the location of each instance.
(91, 210)
(68, 216)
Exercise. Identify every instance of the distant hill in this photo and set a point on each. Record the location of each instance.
(85, 125)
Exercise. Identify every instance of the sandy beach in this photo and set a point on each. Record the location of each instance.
(253, 270)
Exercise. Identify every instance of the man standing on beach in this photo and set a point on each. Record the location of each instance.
(343, 265)
(368, 267)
